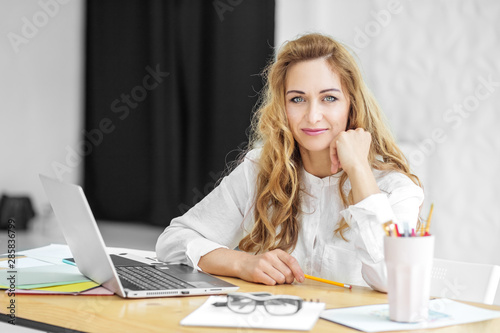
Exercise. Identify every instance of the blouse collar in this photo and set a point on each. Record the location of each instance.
(310, 179)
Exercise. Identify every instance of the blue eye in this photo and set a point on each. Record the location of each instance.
(330, 99)
(297, 99)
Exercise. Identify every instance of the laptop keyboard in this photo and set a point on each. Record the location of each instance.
(150, 278)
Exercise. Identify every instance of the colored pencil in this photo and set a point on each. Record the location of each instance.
(328, 281)
(428, 223)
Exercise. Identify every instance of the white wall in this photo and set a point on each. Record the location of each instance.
(41, 44)
(428, 63)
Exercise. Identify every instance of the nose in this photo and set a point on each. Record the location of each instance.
(314, 113)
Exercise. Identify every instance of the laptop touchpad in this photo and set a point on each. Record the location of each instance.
(201, 284)
(191, 275)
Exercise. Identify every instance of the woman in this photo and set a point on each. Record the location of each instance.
(322, 174)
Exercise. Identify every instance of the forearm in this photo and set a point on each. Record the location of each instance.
(222, 261)
(363, 182)
(375, 275)
(399, 200)
(172, 243)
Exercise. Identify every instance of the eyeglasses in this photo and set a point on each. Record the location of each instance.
(279, 305)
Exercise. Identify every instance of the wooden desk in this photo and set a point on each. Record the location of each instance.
(114, 314)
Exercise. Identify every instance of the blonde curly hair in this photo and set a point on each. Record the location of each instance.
(278, 188)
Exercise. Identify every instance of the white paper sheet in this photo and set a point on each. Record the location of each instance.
(58, 251)
(51, 274)
(209, 315)
(375, 318)
(24, 263)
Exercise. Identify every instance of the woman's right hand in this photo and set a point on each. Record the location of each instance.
(270, 268)
(273, 267)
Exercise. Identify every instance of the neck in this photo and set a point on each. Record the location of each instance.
(317, 163)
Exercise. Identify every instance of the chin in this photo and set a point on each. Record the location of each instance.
(315, 147)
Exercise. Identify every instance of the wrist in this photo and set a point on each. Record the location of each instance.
(239, 262)
(234, 262)
(359, 169)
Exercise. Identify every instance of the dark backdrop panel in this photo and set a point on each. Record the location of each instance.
(170, 89)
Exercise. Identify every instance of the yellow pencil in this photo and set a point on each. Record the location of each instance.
(327, 281)
(428, 224)
(389, 228)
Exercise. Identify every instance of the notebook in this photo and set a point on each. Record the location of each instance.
(208, 315)
(121, 274)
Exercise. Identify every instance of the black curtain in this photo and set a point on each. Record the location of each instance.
(170, 89)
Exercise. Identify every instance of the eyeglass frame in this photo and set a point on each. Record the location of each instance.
(260, 299)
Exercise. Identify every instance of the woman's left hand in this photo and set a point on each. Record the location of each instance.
(350, 149)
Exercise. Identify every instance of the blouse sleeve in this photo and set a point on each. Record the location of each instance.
(215, 222)
(400, 200)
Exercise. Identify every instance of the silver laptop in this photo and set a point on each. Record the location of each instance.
(121, 274)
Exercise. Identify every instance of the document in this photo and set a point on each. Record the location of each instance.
(98, 291)
(209, 315)
(375, 318)
(42, 276)
(23, 262)
(57, 251)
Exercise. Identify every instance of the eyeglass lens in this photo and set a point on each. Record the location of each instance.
(281, 306)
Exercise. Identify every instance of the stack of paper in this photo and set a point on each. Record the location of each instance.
(209, 315)
(41, 271)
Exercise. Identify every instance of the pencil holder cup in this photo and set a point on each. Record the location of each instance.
(409, 265)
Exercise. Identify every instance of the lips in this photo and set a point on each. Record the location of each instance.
(314, 131)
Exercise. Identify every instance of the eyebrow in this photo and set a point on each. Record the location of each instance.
(303, 93)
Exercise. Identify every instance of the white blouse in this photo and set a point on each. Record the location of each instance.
(225, 216)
